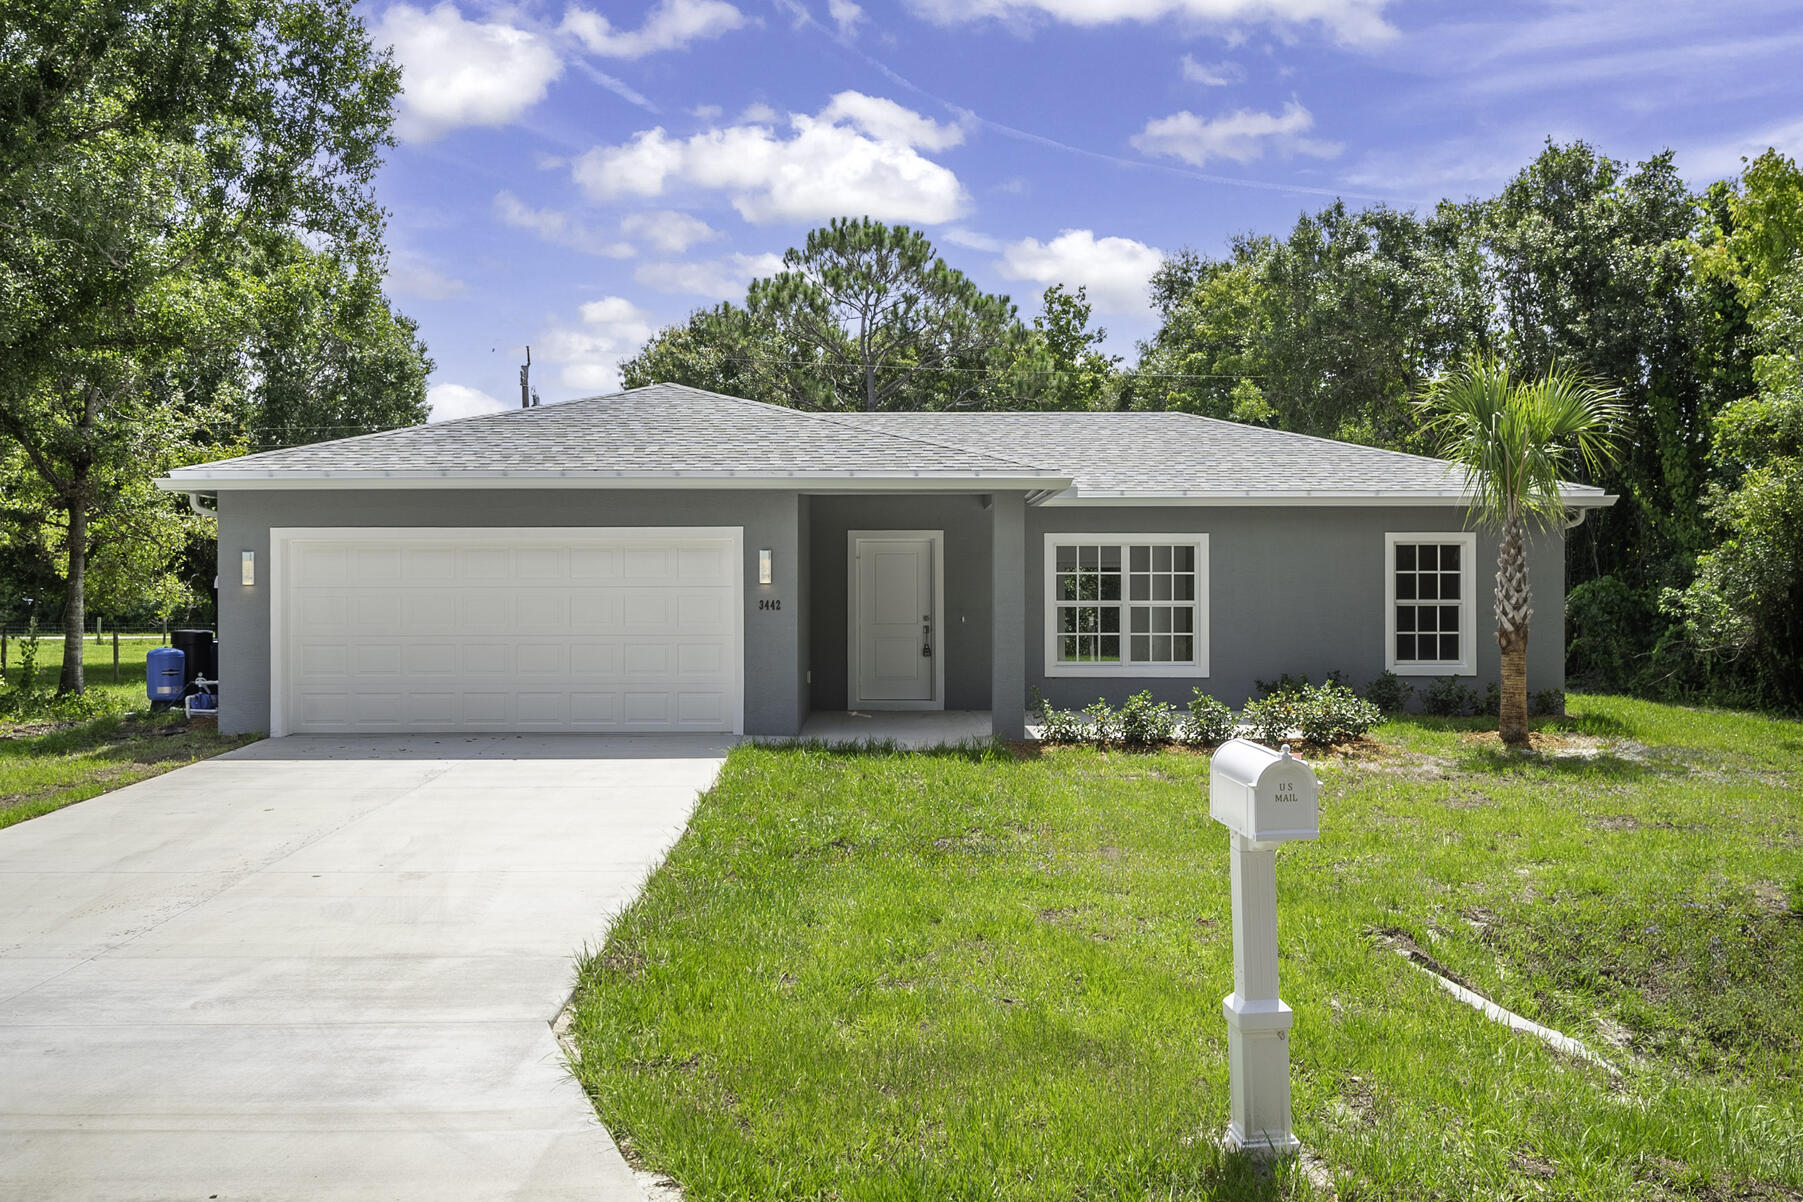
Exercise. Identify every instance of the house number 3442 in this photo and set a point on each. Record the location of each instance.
(770, 603)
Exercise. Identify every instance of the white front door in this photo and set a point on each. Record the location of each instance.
(895, 620)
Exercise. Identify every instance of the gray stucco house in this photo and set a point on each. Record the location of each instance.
(673, 559)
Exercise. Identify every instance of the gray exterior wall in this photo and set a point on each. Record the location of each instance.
(1293, 589)
(964, 627)
(774, 658)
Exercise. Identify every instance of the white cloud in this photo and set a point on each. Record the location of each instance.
(559, 229)
(1116, 271)
(1720, 158)
(971, 239)
(1242, 135)
(667, 231)
(411, 275)
(1353, 21)
(456, 72)
(449, 402)
(759, 113)
(717, 279)
(1213, 75)
(589, 353)
(671, 25)
(845, 15)
(887, 121)
(859, 156)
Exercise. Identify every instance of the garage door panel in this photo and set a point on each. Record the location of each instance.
(486, 661)
(321, 659)
(321, 611)
(378, 659)
(543, 659)
(376, 565)
(595, 611)
(542, 564)
(590, 630)
(550, 710)
(378, 610)
(700, 707)
(595, 661)
(431, 711)
(645, 565)
(594, 710)
(647, 708)
(428, 564)
(543, 612)
(430, 659)
(593, 564)
(484, 611)
(696, 610)
(429, 612)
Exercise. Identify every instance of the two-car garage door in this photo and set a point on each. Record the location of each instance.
(506, 630)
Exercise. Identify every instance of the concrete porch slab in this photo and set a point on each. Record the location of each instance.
(910, 729)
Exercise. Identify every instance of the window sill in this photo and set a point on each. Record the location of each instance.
(1192, 671)
(1460, 669)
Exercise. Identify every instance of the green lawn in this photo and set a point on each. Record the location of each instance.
(888, 976)
(52, 755)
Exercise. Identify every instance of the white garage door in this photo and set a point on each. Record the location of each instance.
(506, 630)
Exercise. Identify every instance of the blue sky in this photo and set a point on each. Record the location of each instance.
(576, 175)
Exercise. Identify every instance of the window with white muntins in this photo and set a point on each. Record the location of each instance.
(1126, 605)
(1429, 604)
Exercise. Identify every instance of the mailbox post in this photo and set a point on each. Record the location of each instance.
(1265, 798)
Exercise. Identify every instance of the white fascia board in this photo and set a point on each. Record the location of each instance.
(837, 481)
(1074, 498)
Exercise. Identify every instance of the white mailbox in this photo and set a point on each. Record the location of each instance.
(1270, 797)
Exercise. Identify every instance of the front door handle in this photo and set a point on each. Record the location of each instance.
(926, 636)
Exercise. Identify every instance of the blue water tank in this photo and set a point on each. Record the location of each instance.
(163, 674)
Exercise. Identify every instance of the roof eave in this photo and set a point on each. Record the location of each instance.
(842, 481)
(1298, 497)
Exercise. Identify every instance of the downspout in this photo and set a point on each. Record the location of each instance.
(1572, 523)
(202, 510)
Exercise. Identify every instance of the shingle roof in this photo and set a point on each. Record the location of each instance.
(1168, 454)
(663, 430)
(689, 436)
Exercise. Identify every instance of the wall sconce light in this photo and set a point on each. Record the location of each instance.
(764, 565)
(248, 568)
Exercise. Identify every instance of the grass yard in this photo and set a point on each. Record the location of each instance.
(889, 976)
(50, 758)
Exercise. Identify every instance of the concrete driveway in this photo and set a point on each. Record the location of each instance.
(324, 968)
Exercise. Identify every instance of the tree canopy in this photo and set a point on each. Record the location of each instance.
(190, 260)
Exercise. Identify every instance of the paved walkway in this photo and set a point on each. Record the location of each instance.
(324, 968)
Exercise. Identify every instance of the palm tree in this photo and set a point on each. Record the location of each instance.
(1516, 438)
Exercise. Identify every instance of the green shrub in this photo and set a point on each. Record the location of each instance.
(1056, 725)
(1271, 718)
(1144, 722)
(1548, 702)
(1389, 693)
(1331, 712)
(1447, 698)
(1210, 721)
(1104, 724)
(1284, 686)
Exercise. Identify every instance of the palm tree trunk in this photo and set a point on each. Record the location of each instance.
(1514, 610)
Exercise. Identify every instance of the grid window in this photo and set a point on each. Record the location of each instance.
(1121, 603)
(1429, 606)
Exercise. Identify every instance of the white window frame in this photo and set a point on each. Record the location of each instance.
(1465, 665)
(1049, 575)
